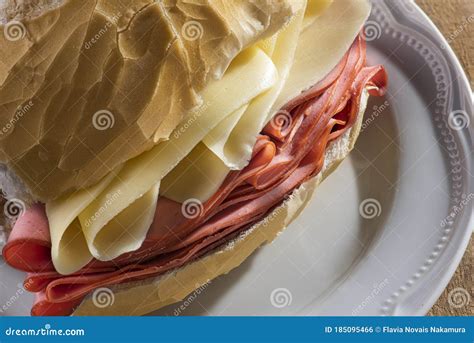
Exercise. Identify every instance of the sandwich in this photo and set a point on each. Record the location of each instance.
(149, 147)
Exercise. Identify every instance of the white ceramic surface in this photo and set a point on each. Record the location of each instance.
(378, 238)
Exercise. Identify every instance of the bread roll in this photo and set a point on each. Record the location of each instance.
(86, 85)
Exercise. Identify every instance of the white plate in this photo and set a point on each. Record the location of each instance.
(412, 165)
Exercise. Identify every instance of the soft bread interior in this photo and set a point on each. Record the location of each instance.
(141, 297)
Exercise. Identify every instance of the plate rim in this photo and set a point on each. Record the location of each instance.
(463, 231)
(469, 229)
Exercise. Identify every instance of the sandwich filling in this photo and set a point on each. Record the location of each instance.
(288, 151)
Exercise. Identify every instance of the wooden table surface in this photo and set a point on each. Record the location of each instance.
(451, 17)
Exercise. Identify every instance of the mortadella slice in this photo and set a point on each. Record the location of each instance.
(29, 244)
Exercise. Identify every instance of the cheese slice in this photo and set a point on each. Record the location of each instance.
(198, 176)
(218, 136)
(71, 253)
(331, 29)
(268, 44)
(322, 45)
(68, 247)
(123, 233)
(235, 149)
(252, 68)
(314, 9)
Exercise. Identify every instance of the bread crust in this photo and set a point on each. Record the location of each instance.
(142, 297)
(87, 85)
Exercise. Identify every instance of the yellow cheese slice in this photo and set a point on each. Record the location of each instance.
(197, 176)
(235, 149)
(68, 247)
(71, 253)
(268, 44)
(219, 135)
(250, 74)
(123, 233)
(322, 45)
(217, 139)
(233, 139)
(314, 9)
